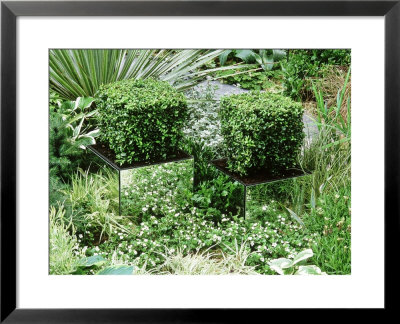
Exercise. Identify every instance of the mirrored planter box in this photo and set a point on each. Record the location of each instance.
(148, 188)
(260, 191)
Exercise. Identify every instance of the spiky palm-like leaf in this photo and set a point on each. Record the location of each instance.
(80, 72)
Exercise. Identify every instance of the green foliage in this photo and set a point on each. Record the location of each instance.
(206, 263)
(157, 189)
(69, 134)
(92, 205)
(88, 265)
(219, 197)
(203, 125)
(257, 74)
(250, 79)
(173, 230)
(141, 120)
(191, 232)
(63, 248)
(288, 267)
(303, 65)
(329, 153)
(202, 155)
(266, 59)
(331, 219)
(94, 260)
(80, 73)
(116, 270)
(331, 118)
(261, 130)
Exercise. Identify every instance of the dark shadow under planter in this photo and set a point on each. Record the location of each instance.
(261, 188)
(146, 188)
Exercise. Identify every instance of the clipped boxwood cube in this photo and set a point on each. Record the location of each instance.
(141, 120)
(261, 130)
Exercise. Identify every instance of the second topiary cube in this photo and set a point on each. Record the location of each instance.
(261, 131)
(141, 120)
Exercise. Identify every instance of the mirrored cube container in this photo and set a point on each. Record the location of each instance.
(262, 192)
(149, 188)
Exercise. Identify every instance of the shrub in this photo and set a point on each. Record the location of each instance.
(261, 130)
(141, 120)
(69, 133)
(303, 65)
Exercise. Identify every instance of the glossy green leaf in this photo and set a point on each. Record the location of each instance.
(116, 270)
(309, 270)
(224, 56)
(280, 264)
(95, 260)
(295, 216)
(303, 255)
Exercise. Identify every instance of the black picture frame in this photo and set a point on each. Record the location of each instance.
(10, 10)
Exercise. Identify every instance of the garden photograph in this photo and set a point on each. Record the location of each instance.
(200, 162)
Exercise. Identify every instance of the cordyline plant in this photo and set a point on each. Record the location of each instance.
(78, 73)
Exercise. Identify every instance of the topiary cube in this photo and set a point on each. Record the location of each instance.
(141, 120)
(261, 131)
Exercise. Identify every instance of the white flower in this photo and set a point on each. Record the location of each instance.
(144, 209)
(264, 208)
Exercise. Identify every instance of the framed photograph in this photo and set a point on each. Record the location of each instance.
(185, 161)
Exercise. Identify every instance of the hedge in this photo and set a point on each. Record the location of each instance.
(141, 120)
(261, 130)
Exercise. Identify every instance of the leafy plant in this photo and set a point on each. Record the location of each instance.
(288, 267)
(80, 73)
(190, 231)
(261, 130)
(69, 134)
(331, 219)
(265, 58)
(203, 125)
(252, 79)
(219, 197)
(141, 120)
(303, 65)
(64, 251)
(156, 189)
(92, 204)
(206, 263)
(116, 270)
(331, 117)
